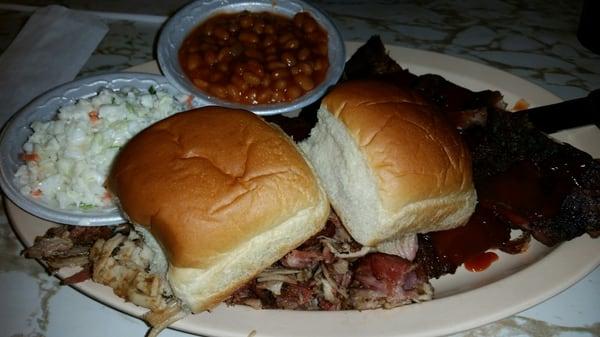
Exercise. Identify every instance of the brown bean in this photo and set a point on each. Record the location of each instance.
(272, 58)
(251, 95)
(285, 38)
(221, 33)
(248, 37)
(259, 27)
(251, 79)
(233, 92)
(253, 53)
(208, 29)
(237, 68)
(203, 72)
(233, 27)
(280, 84)
(239, 83)
(190, 49)
(206, 46)
(223, 67)
(280, 73)
(246, 22)
(193, 61)
(263, 96)
(277, 97)
(200, 83)
(275, 65)
(309, 25)
(295, 70)
(266, 82)
(320, 64)
(260, 21)
(288, 58)
(255, 67)
(268, 40)
(305, 68)
(271, 50)
(292, 44)
(321, 49)
(317, 37)
(237, 49)
(269, 29)
(216, 76)
(305, 82)
(218, 90)
(303, 54)
(210, 57)
(299, 19)
(293, 92)
(224, 54)
(221, 43)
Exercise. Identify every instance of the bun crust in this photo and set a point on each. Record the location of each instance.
(413, 150)
(216, 187)
(412, 169)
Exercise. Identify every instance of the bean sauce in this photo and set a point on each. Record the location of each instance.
(256, 57)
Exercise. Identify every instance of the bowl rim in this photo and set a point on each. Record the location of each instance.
(49, 102)
(169, 64)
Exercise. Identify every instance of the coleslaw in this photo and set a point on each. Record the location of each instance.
(67, 159)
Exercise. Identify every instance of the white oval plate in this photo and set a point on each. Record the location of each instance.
(463, 301)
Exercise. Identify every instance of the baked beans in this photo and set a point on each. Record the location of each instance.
(256, 57)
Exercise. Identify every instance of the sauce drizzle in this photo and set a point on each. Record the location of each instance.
(480, 262)
(524, 193)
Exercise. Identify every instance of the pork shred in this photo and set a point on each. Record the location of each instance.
(116, 256)
(331, 271)
(68, 246)
(123, 262)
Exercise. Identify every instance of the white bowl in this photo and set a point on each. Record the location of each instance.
(190, 16)
(44, 108)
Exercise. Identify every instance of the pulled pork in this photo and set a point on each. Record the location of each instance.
(330, 271)
(123, 263)
(68, 246)
(116, 257)
(333, 272)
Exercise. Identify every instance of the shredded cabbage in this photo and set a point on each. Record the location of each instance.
(67, 159)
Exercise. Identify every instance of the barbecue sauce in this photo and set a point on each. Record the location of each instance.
(525, 192)
(480, 262)
(483, 231)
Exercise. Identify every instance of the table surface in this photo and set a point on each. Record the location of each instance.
(535, 40)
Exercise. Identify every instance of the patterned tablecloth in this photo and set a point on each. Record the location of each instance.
(535, 40)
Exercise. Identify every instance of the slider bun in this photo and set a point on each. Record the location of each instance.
(224, 193)
(390, 163)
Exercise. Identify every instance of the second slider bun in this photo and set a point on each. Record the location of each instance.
(224, 193)
(391, 164)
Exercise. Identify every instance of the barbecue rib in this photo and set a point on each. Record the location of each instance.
(564, 181)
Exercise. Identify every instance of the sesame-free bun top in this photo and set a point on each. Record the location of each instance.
(223, 192)
(390, 162)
